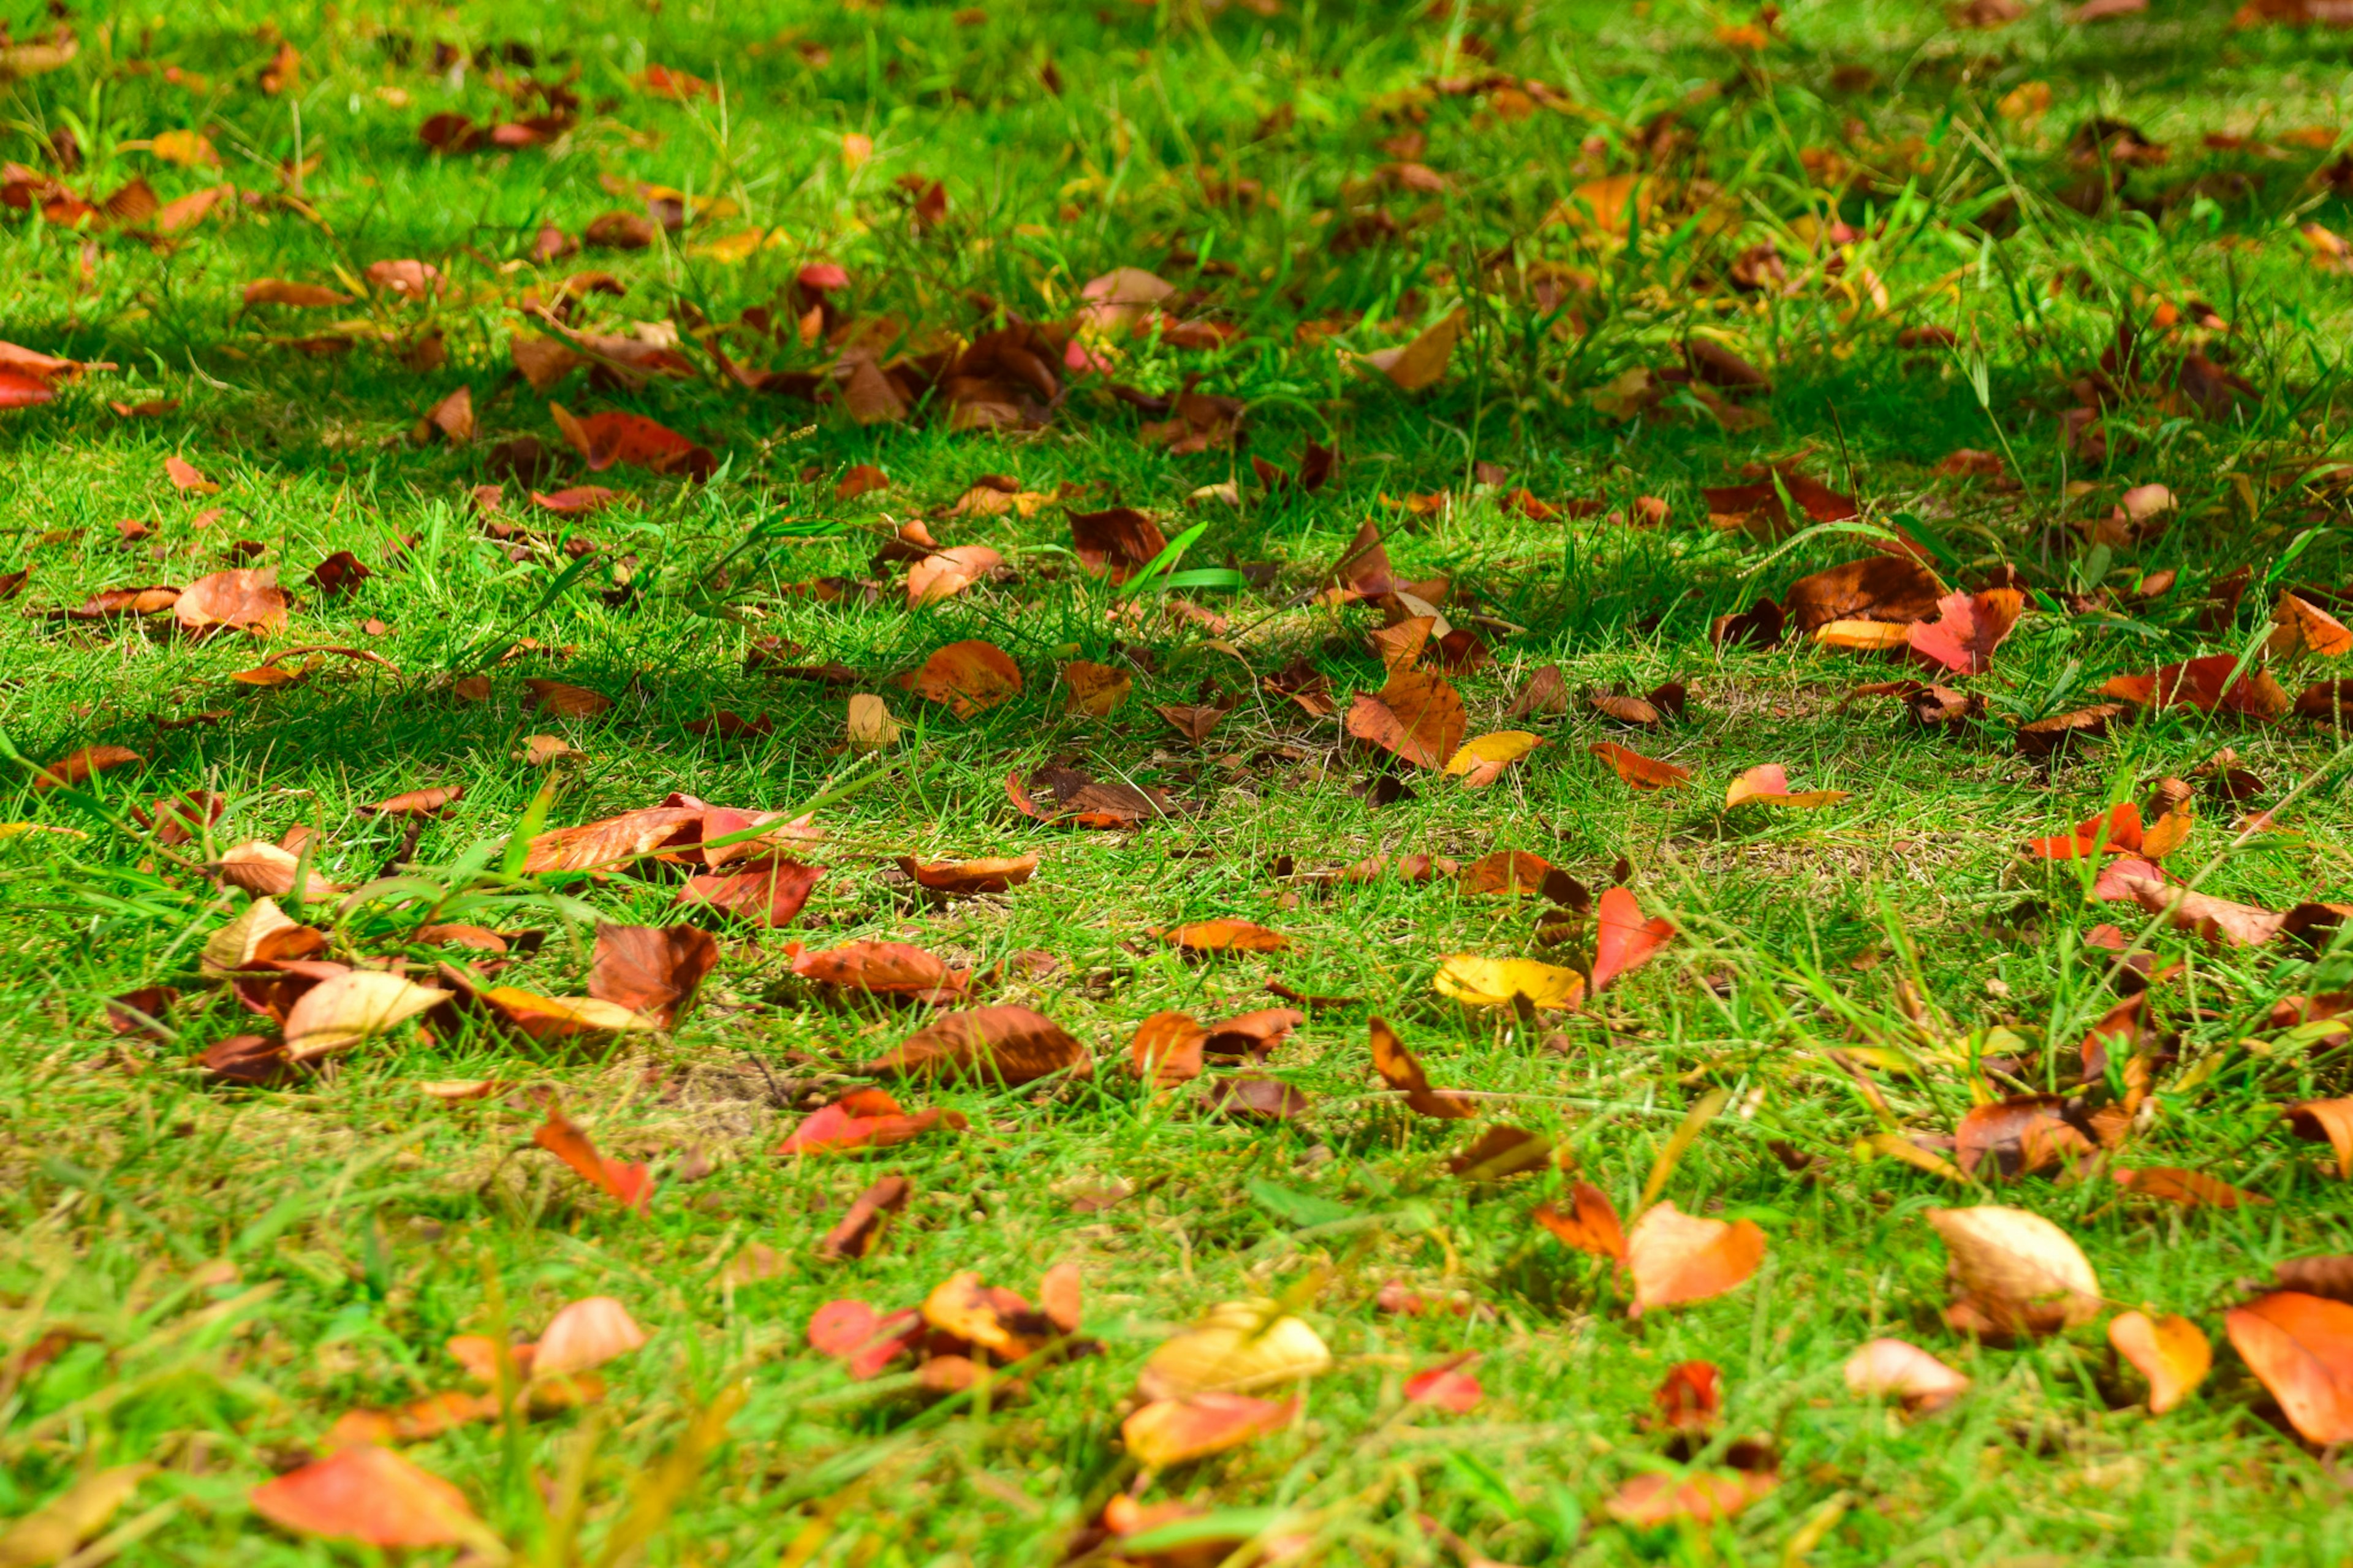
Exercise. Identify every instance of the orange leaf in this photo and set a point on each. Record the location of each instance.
(2302, 1348)
(1223, 936)
(1709, 1495)
(1968, 629)
(1419, 364)
(965, 878)
(2116, 831)
(369, 1494)
(2299, 625)
(1590, 1226)
(1168, 1048)
(1402, 1071)
(630, 1185)
(1171, 1431)
(1416, 714)
(884, 969)
(1623, 939)
(2171, 1351)
(2205, 683)
(970, 676)
(1642, 772)
(1010, 1044)
(2328, 1121)
(652, 970)
(1678, 1258)
(2188, 1188)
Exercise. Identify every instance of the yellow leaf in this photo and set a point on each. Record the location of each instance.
(188, 148)
(1770, 786)
(51, 1531)
(1495, 981)
(1483, 758)
(1421, 362)
(1236, 1347)
(1863, 636)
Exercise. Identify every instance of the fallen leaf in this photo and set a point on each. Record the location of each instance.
(417, 801)
(1167, 1432)
(651, 970)
(859, 1230)
(1416, 714)
(1768, 785)
(946, 574)
(564, 702)
(2022, 1134)
(2328, 1121)
(2301, 1347)
(585, 1336)
(2205, 684)
(1011, 1045)
(884, 969)
(1168, 1048)
(770, 891)
(628, 1184)
(1888, 588)
(345, 1009)
(302, 296)
(1223, 936)
(2171, 1351)
(1591, 1224)
(1886, 1367)
(1419, 364)
(1503, 982)
(368, 1494)
(1236, 1347)
(1481, 760)
(1254, 1097)
(1451, 1385)
(1677, 1257)
(77, 768)
(1403, 1072)
(1704, 1498)
(969, 677)
(1623, 939)
(50, 1532)
(967, 878)
(188, 479)
(241, 600)
(863, 1118)
(2300, 626)
(1640, 772)
(2018, 1273)
(1117, 544)
(2188, 1188)
(259, 867)
(1967, 630)
(1086, 801)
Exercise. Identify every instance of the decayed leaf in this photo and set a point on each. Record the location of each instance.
(1968, 629)
(1402, 1071)
(1419, 364)
(970, 676)
(1237, 1346)
(966, 878)
(1622, 939)
(2302, 1348)
(1768, 783)
(1891, 1367)
(1086, 801)
(2171, 1351)
(2023, 1134)
(1590, 1225)
(1642, 772)
(1009, 1044)
(2217, 919)
(369, 1494)
(1677, 1257)
(1500, 982)
(630, 1185)
(344, 1009)
(1224, 936)
(585, 1336)
(50, 1532)
(1545, 692)
(1167, 1432)
(2018, 1272)
(651, 970)
(1481, 760)
(1416, 714)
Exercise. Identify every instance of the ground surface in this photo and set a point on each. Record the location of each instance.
(204, 1274)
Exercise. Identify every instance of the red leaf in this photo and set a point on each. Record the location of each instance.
(1451, 1384)
(1623, 939)
(369, 1494)
(631, 1185)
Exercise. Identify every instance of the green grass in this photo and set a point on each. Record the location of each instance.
(233, 1269)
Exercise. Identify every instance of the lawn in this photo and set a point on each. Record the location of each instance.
(893, 785)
